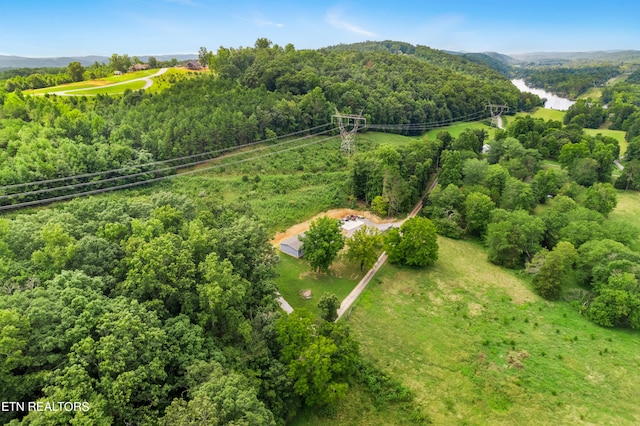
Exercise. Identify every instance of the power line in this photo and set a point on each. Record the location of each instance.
(429, 125)
(137, 166)
(413, 126)
(157, 179)
(115, 178)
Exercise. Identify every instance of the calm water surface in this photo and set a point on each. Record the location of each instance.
(553, 101)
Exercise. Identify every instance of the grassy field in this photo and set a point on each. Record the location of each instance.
(110, 89)
(545, 114)
(550, 114)
(616, 134)
(592, 93)
(457, 128)
(628, 210)
(296, 276)
(93, 83)
(477, 346)
(105, 85)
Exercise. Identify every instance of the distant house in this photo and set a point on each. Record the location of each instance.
(292, 246)
(139, 67)
(116, 72)
(193, 65)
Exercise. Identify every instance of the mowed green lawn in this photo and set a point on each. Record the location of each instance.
(102, 82)
(111, 89)
(616, 134)
(628, 211)
(545, 114)
(296, 276)
(457, 128)
(477, 346)
(551, 114)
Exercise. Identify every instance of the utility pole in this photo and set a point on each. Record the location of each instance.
(348, 125)
(496, 112)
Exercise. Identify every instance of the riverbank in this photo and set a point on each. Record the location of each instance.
(553, 101)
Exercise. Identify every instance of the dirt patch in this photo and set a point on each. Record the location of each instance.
(305, 294)
(515, 359)
(335, 213)
(475, 309)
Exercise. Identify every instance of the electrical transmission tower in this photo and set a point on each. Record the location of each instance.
(348, 125)
(496, 112)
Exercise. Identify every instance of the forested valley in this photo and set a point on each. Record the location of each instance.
(157, 306)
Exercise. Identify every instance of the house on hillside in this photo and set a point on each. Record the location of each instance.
(193, 65)
(139, 67)
(292, 246)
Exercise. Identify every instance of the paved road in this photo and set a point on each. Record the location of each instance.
(357, 291)
(284, 304)
(618, 165)
(148, 83)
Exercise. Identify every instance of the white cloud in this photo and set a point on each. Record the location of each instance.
(260, 22)
(257, 18)
(335, 19)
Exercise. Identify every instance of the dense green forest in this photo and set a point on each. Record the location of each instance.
(569, 80)
(159, 309)
(552, 220)
(256, 93)
(164, 305)
(158, 306)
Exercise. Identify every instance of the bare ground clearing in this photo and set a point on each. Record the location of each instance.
(335, 213)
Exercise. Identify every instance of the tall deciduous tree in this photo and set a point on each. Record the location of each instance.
(322, 242)
(415, 244)
(329, 304)
(513, 237)
(76, 71)
(553, 267)
(478, 208)
(318, 358)
(203, 56)
(365, 246)
(601, 197)
(119, 62)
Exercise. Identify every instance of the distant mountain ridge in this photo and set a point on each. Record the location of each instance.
(498, 61)
(10, 61)
(544, 58)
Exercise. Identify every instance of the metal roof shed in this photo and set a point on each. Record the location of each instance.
(292, 246)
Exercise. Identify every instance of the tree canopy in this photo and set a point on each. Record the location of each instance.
(322, 242)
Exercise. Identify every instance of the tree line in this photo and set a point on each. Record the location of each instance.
(251, 94)
(161, 308)
(568, 245)
(569, 80)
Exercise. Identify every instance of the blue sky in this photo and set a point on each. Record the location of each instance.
(40, 28)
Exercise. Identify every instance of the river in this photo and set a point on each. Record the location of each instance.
(553, 101)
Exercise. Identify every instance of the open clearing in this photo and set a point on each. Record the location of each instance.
(89, 84)
(457, 128)
(112, 85)
(478, 347)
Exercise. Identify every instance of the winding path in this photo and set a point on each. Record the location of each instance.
(148, 83)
